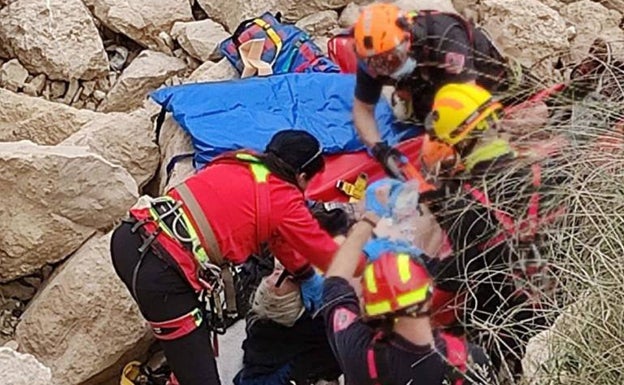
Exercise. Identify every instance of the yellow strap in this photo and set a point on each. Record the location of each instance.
(273, 35)
(354, 190)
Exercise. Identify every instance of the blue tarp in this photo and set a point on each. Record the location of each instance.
(246, 113)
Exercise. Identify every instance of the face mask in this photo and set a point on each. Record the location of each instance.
(405, 70)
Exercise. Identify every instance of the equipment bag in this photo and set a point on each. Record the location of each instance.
(286, 48)
(341, 50)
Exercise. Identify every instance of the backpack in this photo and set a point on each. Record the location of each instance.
(286, 48)
(341, 49)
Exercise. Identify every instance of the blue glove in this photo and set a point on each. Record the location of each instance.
(378, 246)
(381, 196)
(312, 292)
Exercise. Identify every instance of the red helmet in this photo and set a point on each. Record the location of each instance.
(395, 282)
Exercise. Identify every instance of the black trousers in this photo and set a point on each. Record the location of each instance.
(162, 294)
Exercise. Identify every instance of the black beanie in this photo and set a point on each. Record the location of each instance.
(297, 148)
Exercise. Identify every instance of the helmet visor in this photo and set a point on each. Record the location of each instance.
(386, 63)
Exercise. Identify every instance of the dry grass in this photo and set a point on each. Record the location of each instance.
(585, 249)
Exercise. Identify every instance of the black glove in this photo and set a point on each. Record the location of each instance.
(390, 158)
(335, 218)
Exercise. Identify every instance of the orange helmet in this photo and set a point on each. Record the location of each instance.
(379, 40)
(395, 283)
(437, 157)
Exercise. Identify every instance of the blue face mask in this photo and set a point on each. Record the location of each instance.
(405, 69)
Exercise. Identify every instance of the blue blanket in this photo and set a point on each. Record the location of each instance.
(246, 113)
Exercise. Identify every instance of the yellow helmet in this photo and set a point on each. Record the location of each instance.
(458, 109)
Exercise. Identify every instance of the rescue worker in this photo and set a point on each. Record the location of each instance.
(393, 342)
(417, 52)
(175, 251)
(492, 203)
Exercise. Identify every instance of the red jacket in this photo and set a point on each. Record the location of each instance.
(226, 193)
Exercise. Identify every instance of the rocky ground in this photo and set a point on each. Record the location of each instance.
(77, 149)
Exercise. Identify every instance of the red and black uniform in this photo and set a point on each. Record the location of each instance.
(493, 262)
(448, 49)
(246, 206)
(365, 358)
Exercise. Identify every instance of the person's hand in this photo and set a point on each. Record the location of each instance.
(376, 247)
(390, 158)
(381, 196)
(312, 292)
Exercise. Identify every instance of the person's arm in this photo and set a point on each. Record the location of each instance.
(367, 94)
(365, 124)
(299, 239)
(348, 257)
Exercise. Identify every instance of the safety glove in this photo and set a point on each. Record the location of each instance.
(381, 196)
(390, 158)
(376, 247)
(312, 292)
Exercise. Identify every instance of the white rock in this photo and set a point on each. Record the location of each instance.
(174, 142)
(223, 70)
(22, 369)
(592, 20)
(528, 31)
(617, 5)
(146, 72)
(13, 75)
(84, 320)
(38, 120)
(200, 39)
(319, 24)
(141, 20)
(415, 5)
(36, 85)
(349, 15)
(231, 12)
(55, 37)
(62, 195)
(57, 89)
(123, 139)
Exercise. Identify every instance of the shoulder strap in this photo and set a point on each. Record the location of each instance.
(263, 199)
(457, 356)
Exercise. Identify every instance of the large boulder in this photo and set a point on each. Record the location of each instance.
(200, 39)
(84, 320)
(55, 197)
(222, 70)
(147, 72)
(174, 143)
(592, 20)
(55, 37)
(28, 118)
(142, 21)
(22, 369)
(231, 12)
(527, 31)
(322, 23)
(123, 139)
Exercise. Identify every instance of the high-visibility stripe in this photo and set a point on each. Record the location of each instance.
(369, 279)
(378, 308)
(403, 265)
(413, 297)
(260, 172)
